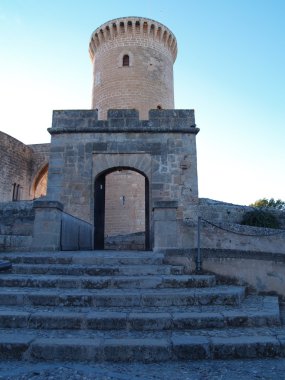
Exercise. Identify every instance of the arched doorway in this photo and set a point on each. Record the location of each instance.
(40, 183)
(121, 214)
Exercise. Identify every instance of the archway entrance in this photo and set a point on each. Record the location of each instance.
(40, 183)
(121, 219)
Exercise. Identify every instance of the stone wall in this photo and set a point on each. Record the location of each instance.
(147, 81)
(16, 225)
(262, 271)
(163, 148)
(222, 212)
(15, 169)
(75, 234)
(135, 241)
(125, 203)
(231, 236)
(21, 165)
(16, 218)
(40, 161)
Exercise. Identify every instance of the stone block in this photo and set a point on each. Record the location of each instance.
(106, 320)
(55, 320)
(144, 350)
(165, 234)
(190, 347)
(150, 321)
(66, 349)
(15, 319)
(122, 114)
(236, 347)
(99, 146)
(47, 225)
(165, 204)
(197, 320)
(14, 346)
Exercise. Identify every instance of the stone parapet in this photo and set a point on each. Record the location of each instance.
(132, 28)
(126, 120)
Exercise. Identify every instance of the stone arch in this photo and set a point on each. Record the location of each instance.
(140, 162)
(100, 191)
(39, 186)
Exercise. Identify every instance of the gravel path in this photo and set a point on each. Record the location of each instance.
(264, 369)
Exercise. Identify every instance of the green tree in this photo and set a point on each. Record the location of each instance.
(278, 204)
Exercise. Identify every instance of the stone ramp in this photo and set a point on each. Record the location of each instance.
(128, 306)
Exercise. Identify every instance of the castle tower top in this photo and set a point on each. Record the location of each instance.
(133, 65)
(124, 26)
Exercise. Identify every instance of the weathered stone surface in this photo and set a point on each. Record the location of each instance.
(13, 346)
(245, 346)
(191, 347)
(147, 316)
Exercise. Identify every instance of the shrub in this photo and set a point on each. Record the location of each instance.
(278, 204)
(260, 218)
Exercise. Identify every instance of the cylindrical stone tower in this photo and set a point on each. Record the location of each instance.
(132, 65)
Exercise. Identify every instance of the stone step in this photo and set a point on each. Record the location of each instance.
(5, 266)
(96, 270)
(86, 258)
(227, 295)
(44, 345)
(101, 282)
(141, 320)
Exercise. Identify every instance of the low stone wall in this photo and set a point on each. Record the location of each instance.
(55, 230)
(16, 218)
(222, 212)
(15, 243)
(134, 241)
(16, 225)
(233, 237)
(262, 271)
(42, 225)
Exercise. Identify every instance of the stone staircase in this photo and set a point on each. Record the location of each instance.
(128, 306)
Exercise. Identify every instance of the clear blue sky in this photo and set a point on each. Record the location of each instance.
(230, 68)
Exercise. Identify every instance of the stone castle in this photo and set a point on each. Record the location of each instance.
(148, 267)
(124, 173)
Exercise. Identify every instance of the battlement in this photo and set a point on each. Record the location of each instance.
(123, 120)
(132, 27)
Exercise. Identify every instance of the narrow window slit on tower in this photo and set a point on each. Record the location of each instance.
(126, 60)
(14, 192)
